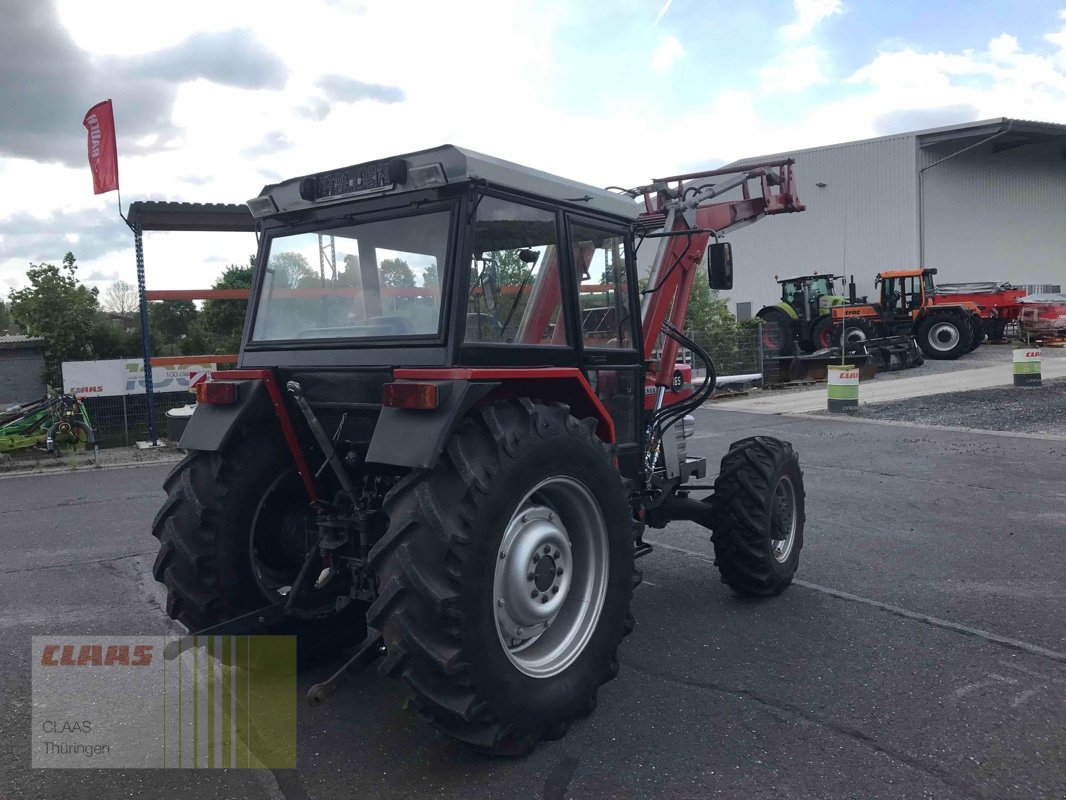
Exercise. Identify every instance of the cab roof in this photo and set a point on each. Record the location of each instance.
(438, 166)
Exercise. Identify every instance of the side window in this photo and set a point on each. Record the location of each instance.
(515, 291)
(602, 270)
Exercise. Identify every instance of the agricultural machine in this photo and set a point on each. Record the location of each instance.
(997, 303)
(52, 423)
(908, 307)
(446, 447)
(801, 319)
(799, 331)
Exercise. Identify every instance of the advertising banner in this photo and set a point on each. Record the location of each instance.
(122, 376)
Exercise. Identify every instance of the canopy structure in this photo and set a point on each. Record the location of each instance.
(154, 215)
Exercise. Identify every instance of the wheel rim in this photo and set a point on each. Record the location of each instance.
(551, 577)
(943, 336)
(783, 522)
(853, 335)
(771, 336)
(280, 536)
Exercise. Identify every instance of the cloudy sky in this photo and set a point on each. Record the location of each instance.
(215, 98)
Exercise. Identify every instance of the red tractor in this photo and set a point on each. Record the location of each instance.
(446, 435)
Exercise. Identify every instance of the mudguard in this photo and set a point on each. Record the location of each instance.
(416, 438)
(211, 427)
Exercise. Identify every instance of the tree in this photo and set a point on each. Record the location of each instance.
(56, 307)
(222, 321)
(396, 272)
(429, 276)
(707, 312)
(291, 270)
(5, 317)
(170, 321)
(121, 298)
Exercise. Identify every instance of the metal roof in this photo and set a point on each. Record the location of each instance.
(11, 341)
(1018, 132)
(152, 215)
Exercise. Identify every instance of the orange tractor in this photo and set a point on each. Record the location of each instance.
(944, 331)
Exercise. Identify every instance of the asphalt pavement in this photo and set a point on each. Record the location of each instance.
(921, 652)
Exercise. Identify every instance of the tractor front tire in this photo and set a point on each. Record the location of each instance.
(944, 335)
(759, 514)
(505, 577)
(205, 533)
(855, 331)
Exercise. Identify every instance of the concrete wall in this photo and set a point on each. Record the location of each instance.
(21, 375)
(996, 216)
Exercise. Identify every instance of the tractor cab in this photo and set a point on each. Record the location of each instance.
(811, 296)
(905, 292)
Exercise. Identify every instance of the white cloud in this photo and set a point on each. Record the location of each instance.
(808, 14)
(668, 52)
(794, 70)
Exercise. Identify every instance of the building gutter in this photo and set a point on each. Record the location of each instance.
(921, 184)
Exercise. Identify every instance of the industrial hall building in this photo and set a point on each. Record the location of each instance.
(979, 201)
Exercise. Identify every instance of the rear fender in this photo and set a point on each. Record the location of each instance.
(212, 427)
(415, 438)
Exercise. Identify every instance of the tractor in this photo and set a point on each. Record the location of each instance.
(453, 418)
(944, 331)
(801, 317)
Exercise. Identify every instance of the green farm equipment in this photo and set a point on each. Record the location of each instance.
(54, 422)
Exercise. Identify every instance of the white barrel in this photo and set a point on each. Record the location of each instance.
(843, 388)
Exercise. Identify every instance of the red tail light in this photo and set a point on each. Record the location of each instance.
(216, 393)
(422, 396)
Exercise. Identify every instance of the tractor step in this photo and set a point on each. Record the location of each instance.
(641, 549)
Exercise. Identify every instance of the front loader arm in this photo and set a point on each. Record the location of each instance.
(680, 210)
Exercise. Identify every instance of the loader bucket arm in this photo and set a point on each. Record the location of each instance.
(682, 213)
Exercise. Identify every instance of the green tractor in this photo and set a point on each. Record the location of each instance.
(802, 317)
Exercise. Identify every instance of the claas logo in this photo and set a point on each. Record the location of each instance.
(97, 655)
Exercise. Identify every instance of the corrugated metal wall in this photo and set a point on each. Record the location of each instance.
(862, 221)
(996, 216)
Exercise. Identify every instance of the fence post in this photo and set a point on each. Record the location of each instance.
(125, 421)
(759, 350)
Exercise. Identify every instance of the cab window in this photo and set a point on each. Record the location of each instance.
(601, 268)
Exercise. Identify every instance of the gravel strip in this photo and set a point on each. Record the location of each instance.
(1036, 409)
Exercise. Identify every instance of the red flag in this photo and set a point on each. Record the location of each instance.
(103, 153)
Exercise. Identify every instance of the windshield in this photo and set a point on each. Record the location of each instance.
(353, 281)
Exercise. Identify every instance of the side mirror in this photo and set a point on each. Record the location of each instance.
(720, 265)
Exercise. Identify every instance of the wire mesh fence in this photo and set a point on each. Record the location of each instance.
(120, 421)
(736, 352)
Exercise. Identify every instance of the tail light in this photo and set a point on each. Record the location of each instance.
(216, 393)
(420, 396)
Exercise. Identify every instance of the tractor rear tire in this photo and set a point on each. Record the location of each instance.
(778, 332)
(944, 335)
(759, 514)
(505, 577)
(205, 533)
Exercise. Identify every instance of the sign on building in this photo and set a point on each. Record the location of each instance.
(122, 376)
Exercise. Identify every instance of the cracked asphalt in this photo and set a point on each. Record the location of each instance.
(921, 652)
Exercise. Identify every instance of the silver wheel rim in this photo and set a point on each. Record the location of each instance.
(783, 520)
(551, 577)
(943, 336)
(854, 335)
